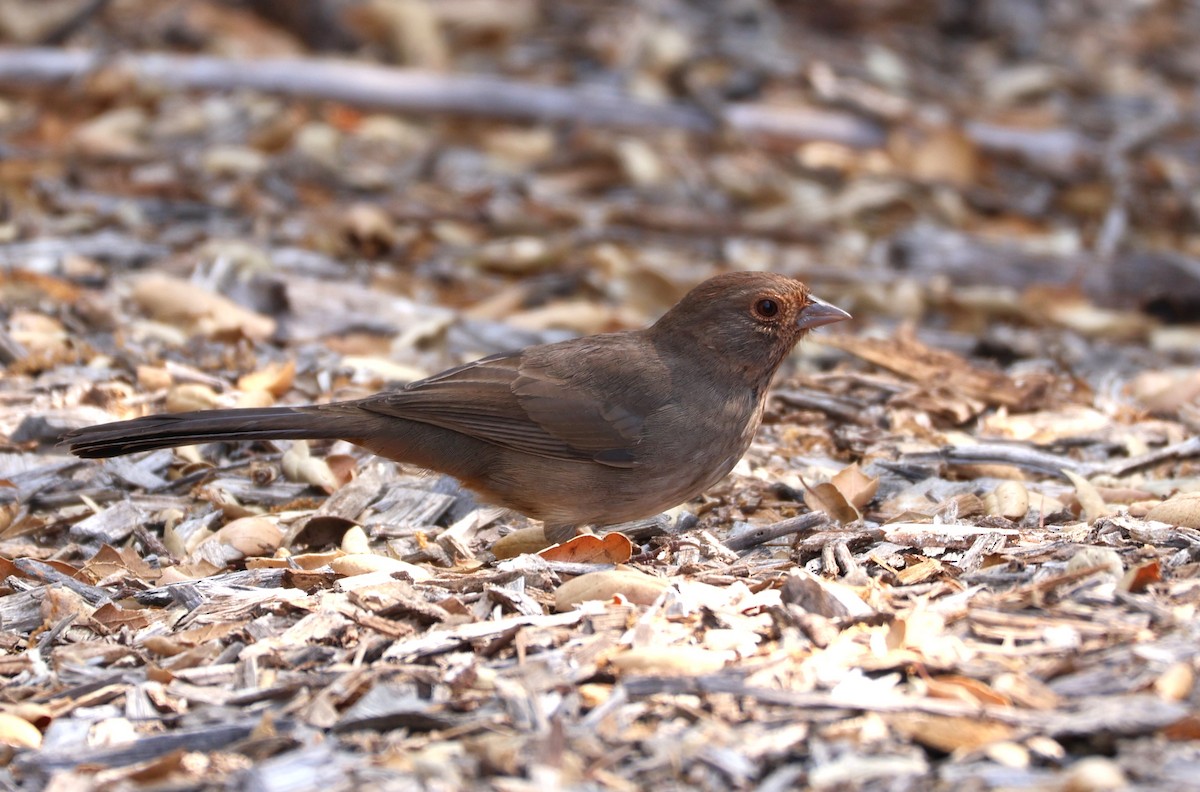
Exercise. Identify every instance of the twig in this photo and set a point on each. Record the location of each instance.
(848, 410)
(997, 453)
(1050, 464)
(754, 535)
(1183, 450)
(641, 687)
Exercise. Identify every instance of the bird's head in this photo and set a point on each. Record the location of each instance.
(750, 320)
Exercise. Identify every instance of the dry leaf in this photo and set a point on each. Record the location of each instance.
(125, 562)
(252, 399)
(1008, 754)
(1026, 691)
(519, 542)
(612, 548)
(61, 603)
(120, 133)
(343, 467)
(1182, 509)
(1069, 310)
(1094, 774)
(845, 496)
(935, 154)
(521, 254)
(16, 732)
(274, 378)
(306, 561)
(1089, 498)
(246, 537)
(826, 497)
(1165, 392)
(366, 563)
(299, 466)
(637, 587)
(920, 629)
(1105, 559)
(1045, 426)
(1176, 683)
(961, 688)
(369, 229)
(911, 359)
(355, 540)
(1184, 729)
(1009, 500)
(581, 317)
(152, 378)
(190, 396)
(186, 304)
(1139, 577)
(949, 734)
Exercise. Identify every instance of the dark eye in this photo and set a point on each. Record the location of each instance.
(766, 308)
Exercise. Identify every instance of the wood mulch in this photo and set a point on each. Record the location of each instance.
(962, 553)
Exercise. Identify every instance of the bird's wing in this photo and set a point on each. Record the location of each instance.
(578, 403)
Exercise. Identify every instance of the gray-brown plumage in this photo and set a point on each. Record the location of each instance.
(592, 431)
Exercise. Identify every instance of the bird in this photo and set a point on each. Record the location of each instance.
(588, 432)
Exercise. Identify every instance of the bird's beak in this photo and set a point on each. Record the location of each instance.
(818, 313)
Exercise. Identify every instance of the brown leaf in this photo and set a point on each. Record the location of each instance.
(274, 378)
(300, 467)
(637, 587)
(1186, 728)
(186, 304)
(519, 542)
(911, 359)
(961, 688)
(826, 497)
(1176, 683)
(935, 154)
(1139, 577)
(1182, 509)
(949, 734)
(343, 467)
(17, 732)
(857, 487)
(246, 537)
(363, 563)
(612, 548)
(1089, 498)
(109, 561)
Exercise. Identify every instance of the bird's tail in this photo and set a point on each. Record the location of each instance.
(208, 426)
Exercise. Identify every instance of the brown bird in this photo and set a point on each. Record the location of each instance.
(592, 431)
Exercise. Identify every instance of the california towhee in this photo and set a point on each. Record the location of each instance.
(592, 431)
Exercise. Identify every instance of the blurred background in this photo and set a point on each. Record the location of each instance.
(1013, 176)
(897, 155)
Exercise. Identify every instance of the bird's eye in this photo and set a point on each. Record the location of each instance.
(766, 308)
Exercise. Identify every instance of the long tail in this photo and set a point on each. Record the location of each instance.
(209, 426)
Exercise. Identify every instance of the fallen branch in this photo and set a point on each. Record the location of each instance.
(415, 91)
(1050, 464)
(999, 454)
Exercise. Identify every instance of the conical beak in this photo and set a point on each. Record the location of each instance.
(818, 313)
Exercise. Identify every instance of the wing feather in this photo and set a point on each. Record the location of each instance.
(538, 403)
